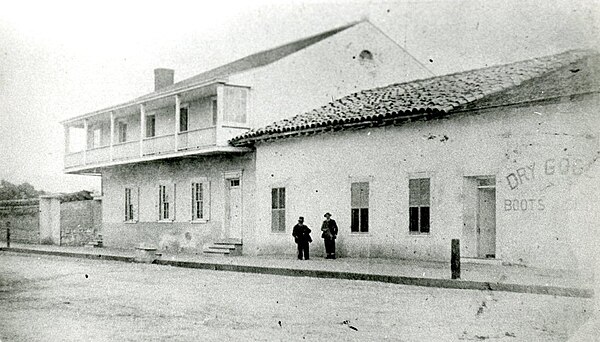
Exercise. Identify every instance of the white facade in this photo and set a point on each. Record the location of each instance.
(326, 71)
(528, 150)
(147, 179)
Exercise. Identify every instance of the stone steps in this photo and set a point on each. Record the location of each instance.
(225, 247)
(94, 244)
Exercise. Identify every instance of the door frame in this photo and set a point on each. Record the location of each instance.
(227, 177)
(478, 227)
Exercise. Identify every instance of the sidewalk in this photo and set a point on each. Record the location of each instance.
(408, 272)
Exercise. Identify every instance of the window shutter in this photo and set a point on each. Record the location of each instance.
(414, 186)
(359, 195)
(125, 201)
(135, 200)
(193, 200)
(206, 200)
(171, 200)
(424, 191)
(159, 203)
(364, 195)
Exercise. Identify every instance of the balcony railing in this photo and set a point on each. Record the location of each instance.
(187, 142)
(98, 155)
(126, 150)
(196, 138)
(156, 145)
(73, 159)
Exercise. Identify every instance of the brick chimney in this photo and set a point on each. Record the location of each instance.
(163, 78)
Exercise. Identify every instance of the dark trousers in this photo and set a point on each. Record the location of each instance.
(303, 249)
(330, 247)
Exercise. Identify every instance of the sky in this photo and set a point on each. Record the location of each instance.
(61, 59)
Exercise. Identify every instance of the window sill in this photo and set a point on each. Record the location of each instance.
(419, 234)
(360, 234)
(198, 221)
(130, 222)
(279, 233)
(165, 221)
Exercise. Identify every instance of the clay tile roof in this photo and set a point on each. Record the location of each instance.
(432, 97)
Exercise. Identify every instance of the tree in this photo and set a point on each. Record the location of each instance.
(9, 191)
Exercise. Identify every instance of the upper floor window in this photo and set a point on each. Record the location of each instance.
(183, 119)
(359, 207)
(122, 132)
(150, 126)
(235, 105)
(97, 137)
(418, 202)
(278, 209)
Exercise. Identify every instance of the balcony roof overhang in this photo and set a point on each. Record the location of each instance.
(95, 169)
(159, 96)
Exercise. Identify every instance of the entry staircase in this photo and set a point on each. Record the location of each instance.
(225, 247)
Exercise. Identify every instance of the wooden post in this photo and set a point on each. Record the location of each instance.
(220, 113)
(177, 119)
(85, 138)
(455, 259)
(112, 133)
(142, 128)
(67, 139)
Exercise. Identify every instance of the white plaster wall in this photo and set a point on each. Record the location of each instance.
(181, 234)
(49, 220)
(317, 172)
(325, 71)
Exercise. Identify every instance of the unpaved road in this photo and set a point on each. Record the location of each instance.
(45, 298)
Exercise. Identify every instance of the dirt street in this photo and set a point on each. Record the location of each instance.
(64, 299)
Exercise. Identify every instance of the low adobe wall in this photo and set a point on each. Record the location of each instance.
(23, 218)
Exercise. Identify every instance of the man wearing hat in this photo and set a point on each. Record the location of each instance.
(301, 234)
(330, 230)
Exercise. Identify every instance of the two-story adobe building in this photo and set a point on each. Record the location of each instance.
(484, 156)
(169, 176)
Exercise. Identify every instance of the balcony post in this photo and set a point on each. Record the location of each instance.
(220, 112)
(67, 138)
(112, 133)
(177, 119)
(85, 140)
(142, 128)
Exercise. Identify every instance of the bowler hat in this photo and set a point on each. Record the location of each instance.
(327, 214)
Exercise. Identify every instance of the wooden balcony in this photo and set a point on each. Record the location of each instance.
(214, 113)
(193, 142)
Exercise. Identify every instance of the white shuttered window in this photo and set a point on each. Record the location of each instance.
(166, 202)
(200, 201)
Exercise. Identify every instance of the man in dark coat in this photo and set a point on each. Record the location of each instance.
(301, 234)
(330, 230)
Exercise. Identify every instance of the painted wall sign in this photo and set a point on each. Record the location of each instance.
(551, 167)
(524, 204)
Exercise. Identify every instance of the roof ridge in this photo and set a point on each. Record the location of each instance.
(438, 94)
(303, 42)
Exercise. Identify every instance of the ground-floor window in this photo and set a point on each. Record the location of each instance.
(359, 203)
(200, 200)
(419, 208)
(278, 209)
(166, 202)
(131, 201)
